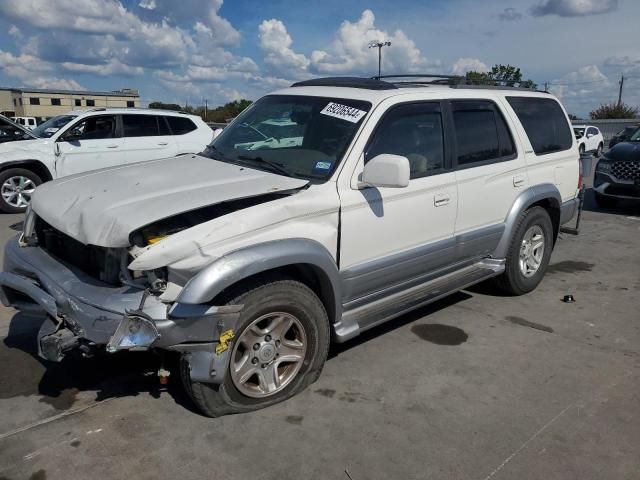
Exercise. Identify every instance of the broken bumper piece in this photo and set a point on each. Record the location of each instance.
(83, 312)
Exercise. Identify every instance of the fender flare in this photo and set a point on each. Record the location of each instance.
(534, 194)
(26, 161)
(245, 262)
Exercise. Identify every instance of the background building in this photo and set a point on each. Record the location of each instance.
(44, 103)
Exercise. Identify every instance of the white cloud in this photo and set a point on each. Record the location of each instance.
(349, 52)
(55, 83)
(574, 8)
(464, 65)
(22, 66)
(509, 15)
(148, 4)
(276, 42)
(15, 32)
(111, 67)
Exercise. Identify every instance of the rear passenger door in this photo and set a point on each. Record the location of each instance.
(147, 137)
(490, 173)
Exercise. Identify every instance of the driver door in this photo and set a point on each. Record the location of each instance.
(92, 143)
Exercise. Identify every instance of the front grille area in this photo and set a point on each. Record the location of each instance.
(98, 262)
(626, 170)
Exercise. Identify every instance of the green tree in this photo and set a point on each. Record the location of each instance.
(507, 75)
(165, 106)
(614, 110)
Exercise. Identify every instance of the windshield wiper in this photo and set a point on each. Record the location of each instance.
(274, 166)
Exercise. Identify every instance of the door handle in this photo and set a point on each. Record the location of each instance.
(163, 144)
(113, 146)
(518, 181)
(441, 199)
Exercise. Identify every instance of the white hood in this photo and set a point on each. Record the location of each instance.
(105, 206)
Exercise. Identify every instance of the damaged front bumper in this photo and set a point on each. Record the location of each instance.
(84, 312)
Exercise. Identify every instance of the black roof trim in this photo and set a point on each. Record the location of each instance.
(498, 87)
(348, 82)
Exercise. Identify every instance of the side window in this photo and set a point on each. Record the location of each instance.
(545, 123)
(592, 131)
(413, 131)
(163, 127)
(481, 132)
(140, 125)
(93, 128)
(181, 125)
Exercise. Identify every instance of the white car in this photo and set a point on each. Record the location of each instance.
(26, 122)
(589, 139)
(249, 263)
(89, 140)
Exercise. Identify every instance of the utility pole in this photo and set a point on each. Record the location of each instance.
(377, 44)
(620, 91)
(206, 105)
(546, 86)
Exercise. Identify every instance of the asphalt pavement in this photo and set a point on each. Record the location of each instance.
(476, 386)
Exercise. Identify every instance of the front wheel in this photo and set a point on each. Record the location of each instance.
(16, 187)
(599, 151)
(528, 254)
(280, 346)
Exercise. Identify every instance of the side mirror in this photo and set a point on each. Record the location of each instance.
(386, 170)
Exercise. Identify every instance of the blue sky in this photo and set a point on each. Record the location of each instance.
(188, 50)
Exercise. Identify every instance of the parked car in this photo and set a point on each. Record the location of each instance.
(26, 122)
(89, 140)
(624, 135)
(12, 132)
(618, 173)
(589, 138)
(250, 263)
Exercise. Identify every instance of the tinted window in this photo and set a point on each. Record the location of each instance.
(93, 128)
(140, 125)
(78, 102)
(181, 125)
(481, 132)
(91, 103)
(545, 123)
(34, 101)
(163, 127)
(413, 131)
(130, 104)
(592, 131)
(55, 101)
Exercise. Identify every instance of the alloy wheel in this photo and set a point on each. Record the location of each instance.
(17, 191)
(531, 251)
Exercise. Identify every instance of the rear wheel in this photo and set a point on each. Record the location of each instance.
(599, 150)
(16, 187)
(280, 346)
(606, 202)
(528, 254)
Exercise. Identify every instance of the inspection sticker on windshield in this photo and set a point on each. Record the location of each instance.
(323, 166)
(350, 114)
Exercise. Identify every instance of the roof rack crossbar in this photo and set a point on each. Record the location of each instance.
(420, 75)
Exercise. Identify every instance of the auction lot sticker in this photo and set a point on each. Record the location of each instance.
(337, 110)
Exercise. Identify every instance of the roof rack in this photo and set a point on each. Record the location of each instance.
(438, 79)
(349, 82)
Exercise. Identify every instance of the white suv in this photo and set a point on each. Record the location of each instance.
(250, 261)
(88, 140)
(589, 139)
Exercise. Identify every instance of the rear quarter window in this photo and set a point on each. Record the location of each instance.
(181, 125)
(544, 122)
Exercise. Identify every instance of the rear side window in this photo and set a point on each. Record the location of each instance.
(481, 132)
(181, 125)
(143, 126)
(545, 123)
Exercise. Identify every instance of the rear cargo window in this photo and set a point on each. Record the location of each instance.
(181, 125)
(545, 123)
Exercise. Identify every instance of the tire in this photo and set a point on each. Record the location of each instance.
(262, 299)
(599, 150)
(11, 180)
(514, 281)
(605, 202)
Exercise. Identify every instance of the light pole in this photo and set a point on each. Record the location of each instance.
(377, 44)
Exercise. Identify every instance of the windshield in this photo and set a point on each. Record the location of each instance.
(636, 136)
(296, 136)
(52, 125)
(579, 132)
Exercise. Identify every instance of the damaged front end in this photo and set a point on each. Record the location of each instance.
(93, 302)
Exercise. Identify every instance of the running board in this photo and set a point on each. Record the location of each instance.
(372, 314)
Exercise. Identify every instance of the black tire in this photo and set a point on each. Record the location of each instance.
(267, 294)
(605, 202)
(15, 172)
(599, 150)
(513, 281)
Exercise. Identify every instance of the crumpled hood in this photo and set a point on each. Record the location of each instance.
(104, 207)
(34, 144)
